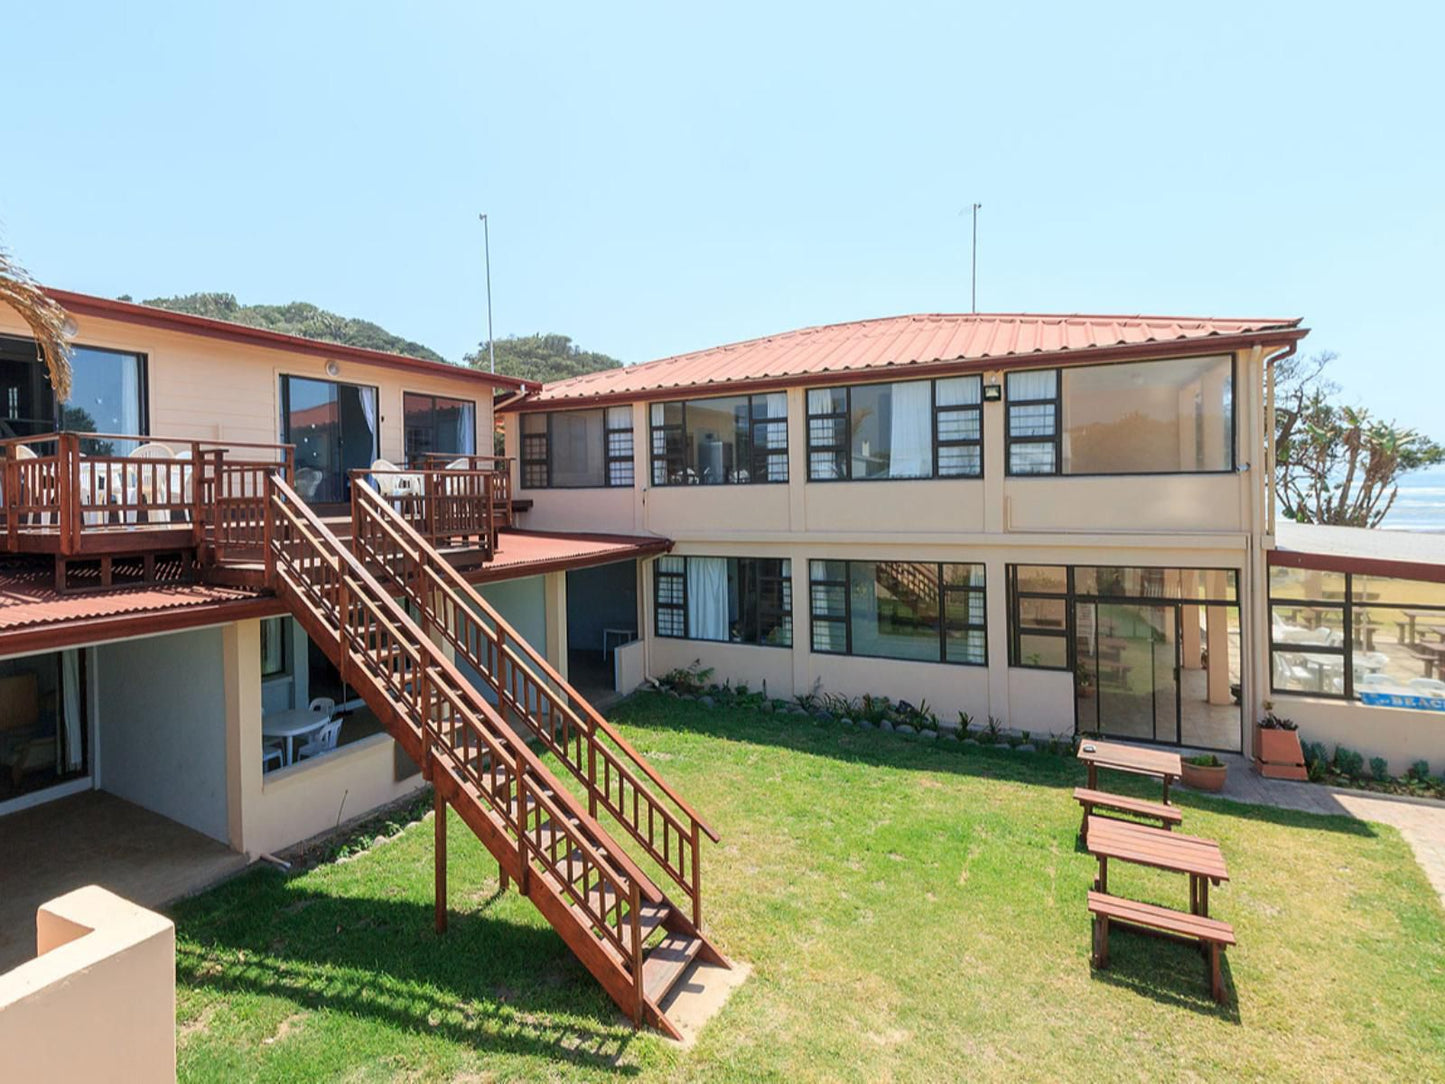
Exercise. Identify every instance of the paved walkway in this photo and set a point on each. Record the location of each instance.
(1420, 820)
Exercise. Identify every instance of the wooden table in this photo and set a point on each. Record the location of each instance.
(1200, 859)
(1159, 763)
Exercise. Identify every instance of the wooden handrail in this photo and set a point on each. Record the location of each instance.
(616, 876)
(450, 605)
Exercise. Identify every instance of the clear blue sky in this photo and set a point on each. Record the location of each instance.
(676, 176)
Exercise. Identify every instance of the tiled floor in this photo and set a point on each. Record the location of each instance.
(96, 838)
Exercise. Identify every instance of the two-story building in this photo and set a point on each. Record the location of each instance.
(1061, 522)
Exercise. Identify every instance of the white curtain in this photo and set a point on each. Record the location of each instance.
(707, 598)
(68, 756)
(1034, 384)
(466, 429)
(911, 453)
(368, 408)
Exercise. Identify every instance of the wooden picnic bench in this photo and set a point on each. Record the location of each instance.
(1199, 859)
(1159, 763)
(1210, 934)
(1166, 815)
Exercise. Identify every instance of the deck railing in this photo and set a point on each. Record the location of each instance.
(500, 467)
(60, 491)
(448, 506)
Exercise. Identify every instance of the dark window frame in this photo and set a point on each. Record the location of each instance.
(846, 418)
(32, 353)
(530, 462)
(944, 590)
(673, 462)
(1346, 651)
(1059, 472)
(433, 396)
(784, 613)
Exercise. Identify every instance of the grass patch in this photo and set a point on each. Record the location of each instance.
(912, 910)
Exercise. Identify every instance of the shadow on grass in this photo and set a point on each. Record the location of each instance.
(803, 734)
(1166, 972)
(485, 983)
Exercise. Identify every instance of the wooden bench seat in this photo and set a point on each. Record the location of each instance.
(1212, 935)
(1167, 815)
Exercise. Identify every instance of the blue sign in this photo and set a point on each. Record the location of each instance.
(1403, 700)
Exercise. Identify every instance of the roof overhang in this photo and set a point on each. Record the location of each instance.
(1144, 351)
(207, 327)
(1402, 555)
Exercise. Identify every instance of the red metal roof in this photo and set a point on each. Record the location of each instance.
(906, 342)
(530, 553)
(149, 316)
(33, 614)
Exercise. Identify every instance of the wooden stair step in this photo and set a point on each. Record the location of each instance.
(665, 963)
(650, 915)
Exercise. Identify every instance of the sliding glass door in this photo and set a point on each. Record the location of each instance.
(1131, 653)
(107, 395)
(334, 428)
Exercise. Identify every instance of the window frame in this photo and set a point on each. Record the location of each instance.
(434, 396)
(546, 460)
(284, 635)
(1346, 651)
(30, 351)
(785, 615)
(1058, 401)
(654, 429)
(934, 411)
(944, 590)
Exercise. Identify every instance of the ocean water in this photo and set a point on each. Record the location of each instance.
(1420, 505)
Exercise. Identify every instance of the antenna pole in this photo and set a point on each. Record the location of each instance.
(487, 245)
(973, 278)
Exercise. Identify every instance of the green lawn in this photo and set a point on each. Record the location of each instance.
(911, 912)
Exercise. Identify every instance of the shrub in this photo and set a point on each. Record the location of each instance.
(1315, 753)
(691, 679)
(1205, 760)
(1420, 771)
(1348, 762)
(1316, 769)
(1380, 768)
(1271, 721)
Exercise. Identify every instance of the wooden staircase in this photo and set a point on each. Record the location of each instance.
(617, 921)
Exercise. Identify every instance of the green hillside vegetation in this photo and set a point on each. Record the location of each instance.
(297, 318)
(544, 357)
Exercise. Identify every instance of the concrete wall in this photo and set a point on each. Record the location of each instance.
(98, 1003)
(274, 810)
(162, 740)
(522, 604)
(210, 389)
(1400, 735)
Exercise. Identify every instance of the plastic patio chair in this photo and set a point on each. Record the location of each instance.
(152, 486)
(324, 741)
(322, 704)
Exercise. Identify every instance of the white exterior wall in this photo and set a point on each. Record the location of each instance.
(1178, 520)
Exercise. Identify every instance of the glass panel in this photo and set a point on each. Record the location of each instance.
(1366, 588)
(960, 575)
(830, 637)
(1049, 652)
(619, 417)
(1399, 651)
(1136, 657)
(959, 391)
(104, 398)
(870, 423)
(1313, 626)
(273, 646)
(963, 461)
(1209, 678)
(577, 446)
(1306, 583)
(958, 425)
(42, 722)
(1032, 420)
(895, 609)
(1036, 384)
(1148, 417)
(827, 400)
(27, 403)
(717, 441)
(969, 646)
(1042, 613)
(1309, 672)
(1031, 459)
(1047, 579)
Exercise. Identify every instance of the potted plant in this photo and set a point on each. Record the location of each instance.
(1084, 681)
(1277, 752)
(1204, 772)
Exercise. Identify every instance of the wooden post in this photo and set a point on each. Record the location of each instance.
(268, 516)
(441, 858)
(696, 875)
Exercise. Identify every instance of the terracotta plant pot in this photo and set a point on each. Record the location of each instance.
(1203, 778)
(1277, 754)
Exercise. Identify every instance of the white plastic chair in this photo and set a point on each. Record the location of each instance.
(149, 484)
(392, 485)
(271, 753)
(324, 741)
(25, 452)
(323, 704)
(1433, 687)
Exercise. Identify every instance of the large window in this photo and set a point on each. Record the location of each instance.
(912, 429)
(1152, 417)
(733, 441)
(899, 610)
(43, 737)
(1352, 635)
(437, 425)
(577, 449)
(108, 395)
(740, 600)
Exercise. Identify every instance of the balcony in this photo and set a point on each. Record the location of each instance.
(113, 508)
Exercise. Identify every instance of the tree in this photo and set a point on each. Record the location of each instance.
(45, 318)
(1336, 463)
(545, 357)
